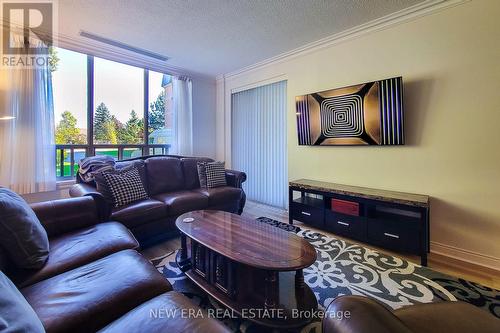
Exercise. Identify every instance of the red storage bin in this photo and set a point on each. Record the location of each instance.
(345, 207)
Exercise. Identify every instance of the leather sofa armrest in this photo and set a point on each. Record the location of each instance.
(64, 215)
(235, 178)
(347, 314)
(86, 190)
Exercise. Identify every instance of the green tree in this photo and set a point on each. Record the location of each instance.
(110, 132)
(134, 130)
(53, 59)
(104, 128)
(67, 132)
(157, 113)
(119, 129)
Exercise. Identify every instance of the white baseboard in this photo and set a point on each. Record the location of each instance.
(466, 255)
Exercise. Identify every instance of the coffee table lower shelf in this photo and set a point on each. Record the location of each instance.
(268, 298)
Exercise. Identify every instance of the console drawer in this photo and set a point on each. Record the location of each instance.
(345, 225)
(396, 235)
(311, 215)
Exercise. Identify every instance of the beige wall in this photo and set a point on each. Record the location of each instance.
(450, 63)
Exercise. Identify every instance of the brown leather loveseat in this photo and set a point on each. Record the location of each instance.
(173, 188)
(95, 279)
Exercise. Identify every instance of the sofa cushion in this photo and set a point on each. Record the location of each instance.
(190, 168)
(216, 174)
(125, 186)
(102, 185)
(77, 248)
(164, 174)
(202, 174)
(5, 263)
(211, 174)
(140, 165)
(151, 317)
(221, 195)
(16, 315)
(183, 201)
(139, 212)
(22, 235)
(91, 296)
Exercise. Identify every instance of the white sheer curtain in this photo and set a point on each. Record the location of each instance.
(27, 148)
(182, 116)
(258, 142)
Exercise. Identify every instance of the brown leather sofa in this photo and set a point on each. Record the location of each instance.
(173, 188)
(368, 316)
(95, 279)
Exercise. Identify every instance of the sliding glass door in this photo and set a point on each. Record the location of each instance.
(258, 142)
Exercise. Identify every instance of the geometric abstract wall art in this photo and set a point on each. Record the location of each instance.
(364, 114)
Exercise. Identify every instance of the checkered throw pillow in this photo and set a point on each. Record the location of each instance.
(216, 174)
(125, 187)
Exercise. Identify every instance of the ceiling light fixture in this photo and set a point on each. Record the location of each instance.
(123, 45)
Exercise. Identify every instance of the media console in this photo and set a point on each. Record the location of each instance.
(388, 219)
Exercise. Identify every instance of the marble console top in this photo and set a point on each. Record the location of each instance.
(410, 199)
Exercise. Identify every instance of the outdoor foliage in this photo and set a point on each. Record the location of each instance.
(157, 113)
(133, 131)
(110, 130)
(67, 132)
(104, 129)
(53, 59)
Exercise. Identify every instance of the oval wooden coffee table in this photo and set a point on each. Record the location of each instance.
(250, 267)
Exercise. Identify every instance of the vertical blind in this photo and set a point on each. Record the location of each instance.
(258, 142)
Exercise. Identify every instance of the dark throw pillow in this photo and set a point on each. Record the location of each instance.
(22, 235)
(216, 174)
(16, 315)
(202, 174)
(125, 186)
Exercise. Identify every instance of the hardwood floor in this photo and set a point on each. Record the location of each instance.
(465, 270)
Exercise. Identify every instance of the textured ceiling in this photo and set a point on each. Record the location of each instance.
(218, 36)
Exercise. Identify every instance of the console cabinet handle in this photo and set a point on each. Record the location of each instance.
(306, 213)
(343, 223)
(391, 235)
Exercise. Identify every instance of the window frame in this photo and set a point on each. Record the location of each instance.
(90, 147)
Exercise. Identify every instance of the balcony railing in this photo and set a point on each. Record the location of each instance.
(68, 156)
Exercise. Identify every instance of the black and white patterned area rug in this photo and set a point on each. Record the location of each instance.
(345, 268)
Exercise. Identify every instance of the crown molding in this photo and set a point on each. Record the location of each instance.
(269, 80)
(419, 10)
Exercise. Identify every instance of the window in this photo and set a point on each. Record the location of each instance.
(160, 108)
(100, 109)
(131, 153)
(113, 152)
(69, 81)
(118, 103)
(69, 69)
